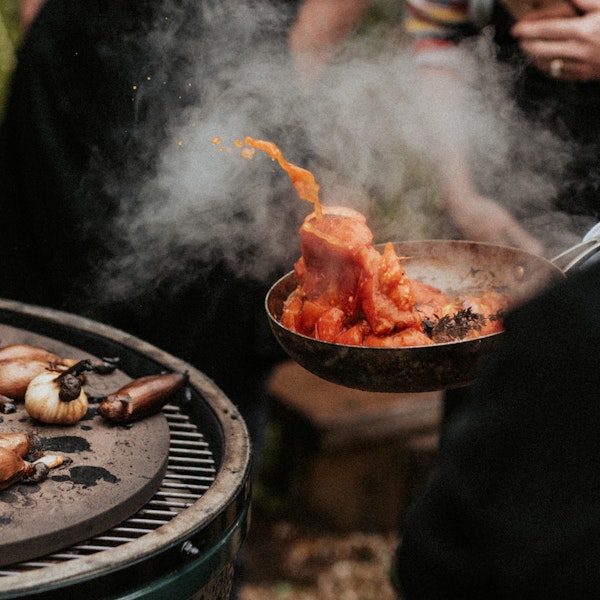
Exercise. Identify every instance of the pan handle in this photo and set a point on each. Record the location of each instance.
(577, 254)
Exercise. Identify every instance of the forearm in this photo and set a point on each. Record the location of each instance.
(319, 31)
(444, 98)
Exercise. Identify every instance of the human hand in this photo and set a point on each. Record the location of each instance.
(561, 42)
(482, 219)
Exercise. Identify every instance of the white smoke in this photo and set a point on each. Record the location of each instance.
(363, 131)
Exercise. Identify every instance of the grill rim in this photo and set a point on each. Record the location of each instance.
(215, 512)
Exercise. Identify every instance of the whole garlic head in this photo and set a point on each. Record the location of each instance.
(46, 401)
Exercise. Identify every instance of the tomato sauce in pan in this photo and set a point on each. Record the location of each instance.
(351, 293)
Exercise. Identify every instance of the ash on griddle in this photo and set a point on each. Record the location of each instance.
(64, 443)
(89, 476)
(90, 414)
(451, 328)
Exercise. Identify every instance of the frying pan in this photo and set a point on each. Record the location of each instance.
(454, 266)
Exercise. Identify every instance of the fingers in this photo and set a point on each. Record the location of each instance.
(587, 5)
(546, 29)
(566, 61)
(566, 49)
(547, 41)
(562, 10)
(567, 70)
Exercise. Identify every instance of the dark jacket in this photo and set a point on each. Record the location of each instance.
(513, 508)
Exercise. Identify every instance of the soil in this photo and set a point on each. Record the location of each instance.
(293, 560)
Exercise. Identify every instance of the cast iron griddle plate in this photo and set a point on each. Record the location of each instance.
(114, 471)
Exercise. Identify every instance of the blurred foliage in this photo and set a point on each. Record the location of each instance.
(382, 16)
(9, 38)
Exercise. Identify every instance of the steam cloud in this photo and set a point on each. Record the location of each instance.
(362, 130)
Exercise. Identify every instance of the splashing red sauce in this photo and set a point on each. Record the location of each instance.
(350, 293)
(303, 180)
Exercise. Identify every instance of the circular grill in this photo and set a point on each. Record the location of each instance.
(190, 472)
(182, 543)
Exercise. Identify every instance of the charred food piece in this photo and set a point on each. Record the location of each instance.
(102, 366)
(457, 326)
(13, 468)
(58, 397)
(105, 365)
(141, 397)
(7, 405)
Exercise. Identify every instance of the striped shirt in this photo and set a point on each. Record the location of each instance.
(438, 23)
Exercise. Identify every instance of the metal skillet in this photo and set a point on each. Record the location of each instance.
(454, 267)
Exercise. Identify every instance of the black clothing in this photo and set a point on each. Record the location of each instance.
(513, 507)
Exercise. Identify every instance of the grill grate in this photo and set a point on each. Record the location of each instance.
(191, 469)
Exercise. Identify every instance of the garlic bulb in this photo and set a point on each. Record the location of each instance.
(58, 397)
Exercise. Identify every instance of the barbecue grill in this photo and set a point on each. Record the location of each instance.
(176, 534)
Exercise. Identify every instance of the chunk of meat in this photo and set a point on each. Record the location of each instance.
(385, 292)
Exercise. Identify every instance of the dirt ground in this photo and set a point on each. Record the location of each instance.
(290, 560)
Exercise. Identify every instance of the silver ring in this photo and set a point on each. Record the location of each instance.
(556, 67)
